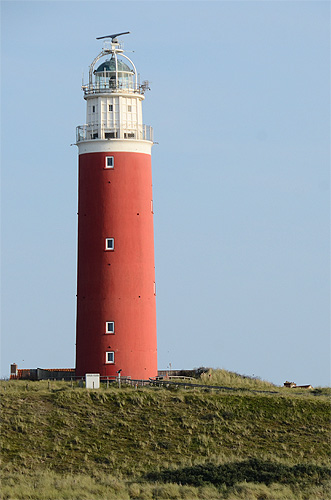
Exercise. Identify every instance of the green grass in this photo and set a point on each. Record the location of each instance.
(65, 442)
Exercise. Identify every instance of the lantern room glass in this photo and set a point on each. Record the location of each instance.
(105, 75)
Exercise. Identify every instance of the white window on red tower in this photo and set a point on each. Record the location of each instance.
(110, 244)
(110, 357)
(109, 162)
(110, 327)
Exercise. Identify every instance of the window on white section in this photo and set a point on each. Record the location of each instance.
(111, 135)
(129, 109)
(110, 243)
(93, 109)
(110, 327)
(109, 162)
(110, 107)
(110, 357)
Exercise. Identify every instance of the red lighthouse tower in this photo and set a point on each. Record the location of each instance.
(116, 313)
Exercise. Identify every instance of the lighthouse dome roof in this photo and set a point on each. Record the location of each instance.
(110, 65)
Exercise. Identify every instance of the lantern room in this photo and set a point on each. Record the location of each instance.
(114, 74)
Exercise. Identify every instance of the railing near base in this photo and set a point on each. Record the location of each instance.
(152, 382)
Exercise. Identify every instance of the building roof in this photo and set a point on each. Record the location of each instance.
(110, 65)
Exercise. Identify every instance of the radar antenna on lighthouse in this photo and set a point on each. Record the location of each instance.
(113, 37)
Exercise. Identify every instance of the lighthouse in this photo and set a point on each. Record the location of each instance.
(116, 306)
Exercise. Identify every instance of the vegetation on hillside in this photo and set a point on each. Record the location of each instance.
(60, 441)
(235, 380)
(251, 470)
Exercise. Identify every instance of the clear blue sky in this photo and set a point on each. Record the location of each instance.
(240, 107)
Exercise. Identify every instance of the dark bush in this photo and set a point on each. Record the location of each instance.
(252, 470)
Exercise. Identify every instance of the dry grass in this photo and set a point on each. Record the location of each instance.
(65, 442)
(231, 379)
(52, 486)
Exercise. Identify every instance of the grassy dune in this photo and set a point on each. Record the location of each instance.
(65, 442)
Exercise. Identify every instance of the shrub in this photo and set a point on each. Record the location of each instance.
(252, 470)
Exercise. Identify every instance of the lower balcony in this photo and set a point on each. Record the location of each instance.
(97, 132)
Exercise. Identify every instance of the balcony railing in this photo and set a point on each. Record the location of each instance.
(110, 87)
(97, 132)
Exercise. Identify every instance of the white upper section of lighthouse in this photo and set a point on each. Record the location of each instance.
(114, 98)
